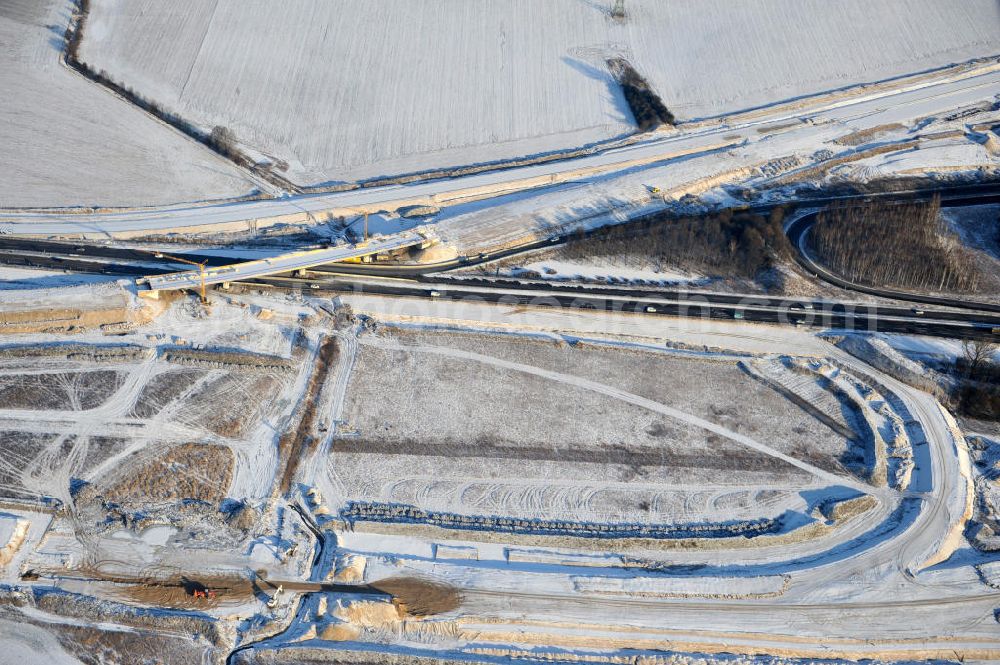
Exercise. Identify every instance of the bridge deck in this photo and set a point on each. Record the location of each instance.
(191, 279)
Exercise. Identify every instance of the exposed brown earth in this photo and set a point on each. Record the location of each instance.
(419, 597)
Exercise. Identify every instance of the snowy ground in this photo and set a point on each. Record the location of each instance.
(978, 226)
(760, 158)
(600, 269)
(531, 77)
(69, 143)
(534, 423)
(172, 428)
(33, 278)
(165, 459)
(437, 420)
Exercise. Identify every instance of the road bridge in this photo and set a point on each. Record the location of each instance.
(283, 263)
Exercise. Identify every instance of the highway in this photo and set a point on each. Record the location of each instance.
(327, 279)
(818, 314)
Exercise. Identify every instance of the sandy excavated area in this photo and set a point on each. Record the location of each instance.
(344, 91)
(67, 142)
(453, 434)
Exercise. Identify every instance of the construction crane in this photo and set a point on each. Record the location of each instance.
(201, 269)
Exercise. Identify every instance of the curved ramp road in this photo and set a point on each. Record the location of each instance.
(798, 234)
(867, 604)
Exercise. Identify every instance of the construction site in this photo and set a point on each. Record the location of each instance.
(416, 332)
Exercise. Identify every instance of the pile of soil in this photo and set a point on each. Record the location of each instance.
(419, 597)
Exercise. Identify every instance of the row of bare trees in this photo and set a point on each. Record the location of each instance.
(221, 139)
(74, 31)
(904, 245)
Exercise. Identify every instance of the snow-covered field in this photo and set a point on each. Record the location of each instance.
(714, 57)
(342, 91)
(443, 431)
(66, 142)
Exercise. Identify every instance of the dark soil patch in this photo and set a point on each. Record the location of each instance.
(418, 597)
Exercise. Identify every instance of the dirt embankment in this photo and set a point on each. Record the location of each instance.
(179, 592)
(411, 596)
(113, 311)
(238, 360)
(63, 320)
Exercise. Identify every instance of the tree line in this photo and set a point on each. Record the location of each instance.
(904, 245)
(221, 139)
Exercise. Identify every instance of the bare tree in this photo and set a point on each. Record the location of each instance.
(978, 354)
(223, 140)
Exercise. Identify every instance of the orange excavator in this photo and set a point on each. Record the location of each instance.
(197, 589)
